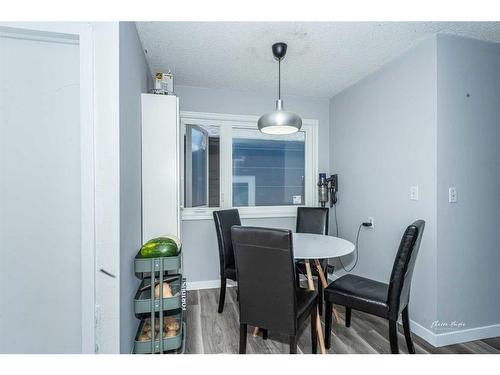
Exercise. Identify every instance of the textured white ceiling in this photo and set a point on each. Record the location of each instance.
(323, 58)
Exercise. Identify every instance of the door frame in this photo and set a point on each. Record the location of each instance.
(84, 33)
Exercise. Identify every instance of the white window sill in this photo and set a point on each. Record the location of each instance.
(245, 212)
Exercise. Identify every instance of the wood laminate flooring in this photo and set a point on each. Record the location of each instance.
(210, 332)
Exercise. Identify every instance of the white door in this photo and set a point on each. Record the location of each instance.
(46, 185)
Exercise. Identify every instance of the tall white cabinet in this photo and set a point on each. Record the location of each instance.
(160, 166)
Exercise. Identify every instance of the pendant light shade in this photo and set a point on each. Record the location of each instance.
(279, 121)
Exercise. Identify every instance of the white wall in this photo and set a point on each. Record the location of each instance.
(429, 118)
(383, 140)
(40, 198)
(107, 180)
(134, 76)
(468, 158)
(200, 254)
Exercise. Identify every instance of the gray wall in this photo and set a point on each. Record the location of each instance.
(134, 76)
(201, 260)
(468, 158)
(383, 138)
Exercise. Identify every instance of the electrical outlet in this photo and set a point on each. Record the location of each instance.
(372, 221)
(329, 268)
(414, 193)
(452, 195)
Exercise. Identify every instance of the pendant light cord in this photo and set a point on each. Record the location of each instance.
(279, 79)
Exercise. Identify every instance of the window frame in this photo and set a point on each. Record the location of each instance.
(226, 123)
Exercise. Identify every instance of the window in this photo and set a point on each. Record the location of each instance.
(268, 170)
(201, 166)
(228, 162)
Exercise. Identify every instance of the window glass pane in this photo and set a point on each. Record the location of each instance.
(201, 166)
(268, 170)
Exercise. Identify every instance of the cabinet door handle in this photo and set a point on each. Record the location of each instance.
(107, 273)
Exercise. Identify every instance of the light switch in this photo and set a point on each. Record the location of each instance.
(452, 195)
(414, 193)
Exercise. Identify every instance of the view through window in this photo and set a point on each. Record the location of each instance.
(201, 166)
(268, 170)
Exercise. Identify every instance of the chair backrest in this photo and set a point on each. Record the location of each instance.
(402, 270)
(266, 278)
(312, 220)
(224, 220)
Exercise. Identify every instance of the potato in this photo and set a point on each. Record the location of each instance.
(170, 333)
(147, 325)
(144, 337)
(171, 323)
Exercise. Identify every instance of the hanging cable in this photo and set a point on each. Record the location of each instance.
(336, 221)
(357, 252)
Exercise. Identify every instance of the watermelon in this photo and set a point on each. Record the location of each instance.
(176, 240)
(160, 247)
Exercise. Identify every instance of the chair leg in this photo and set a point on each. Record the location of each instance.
(243, 338)
(314, 333)
(264, 333)
(406, 328)
(222, 295)
(237, 295)
(293, 344)
(320, 297)
(393, 336)
(347, 316)
(328, 323)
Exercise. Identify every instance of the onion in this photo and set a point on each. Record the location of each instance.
(167, 291)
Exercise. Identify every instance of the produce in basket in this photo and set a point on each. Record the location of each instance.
(170, 323)
(171, 328)
(167, 291)
(161, 247)
(170, 334)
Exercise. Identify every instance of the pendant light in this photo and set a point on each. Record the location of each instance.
(279, 121)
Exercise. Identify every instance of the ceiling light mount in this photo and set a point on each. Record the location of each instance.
(279, 121)
(279, 50)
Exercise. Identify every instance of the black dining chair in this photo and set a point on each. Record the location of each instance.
(313, 220)
(224, 220)
(269, 298)
(383, 300)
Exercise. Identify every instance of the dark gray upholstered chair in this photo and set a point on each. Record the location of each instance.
(387, 301)
(313, 220)
(224, 220)
(268, 296)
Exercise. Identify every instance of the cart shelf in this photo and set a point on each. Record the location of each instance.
(142, 300)
(161, 264)
(170, 344)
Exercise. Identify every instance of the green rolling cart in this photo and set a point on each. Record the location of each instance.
(158, 309)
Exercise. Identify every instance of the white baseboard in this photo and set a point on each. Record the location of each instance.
(207, 284)
(455, 337)
(423, 333)
(452, 337)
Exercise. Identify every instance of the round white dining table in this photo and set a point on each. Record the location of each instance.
(312, 247)
(318, 246)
